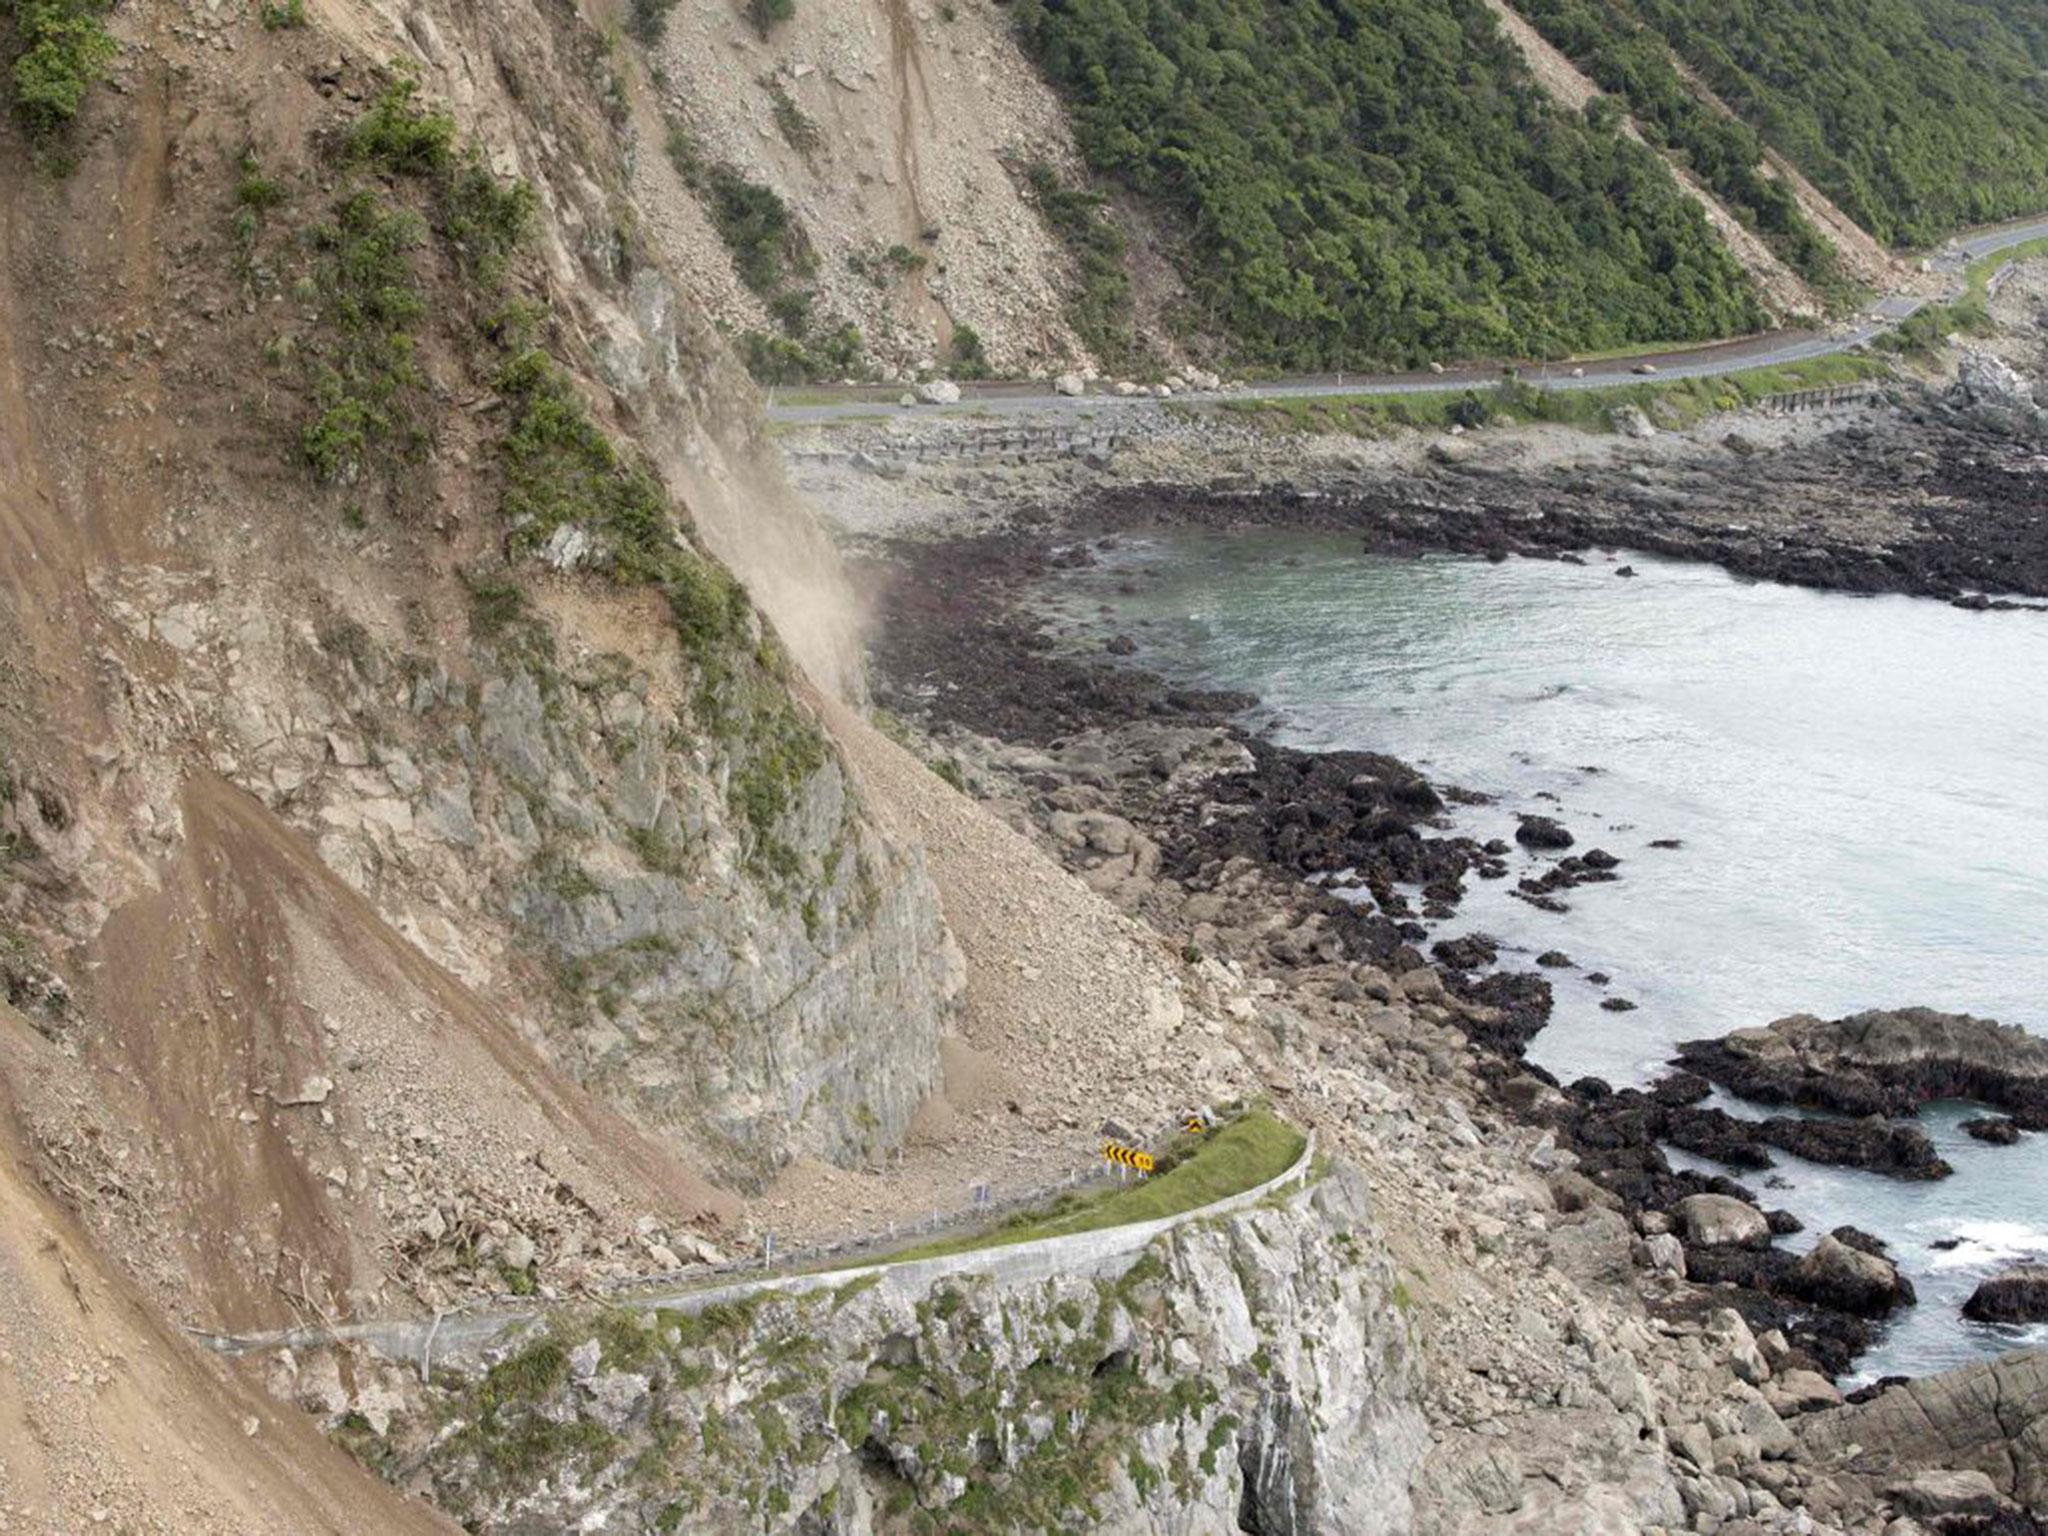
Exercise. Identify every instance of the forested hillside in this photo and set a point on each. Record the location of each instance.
(1916, 116)
(1621, 55)
(1380, 183)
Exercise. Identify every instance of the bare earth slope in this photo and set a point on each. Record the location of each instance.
(110, 1419)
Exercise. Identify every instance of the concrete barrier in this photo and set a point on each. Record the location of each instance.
(1830, 397)
(1012, 444)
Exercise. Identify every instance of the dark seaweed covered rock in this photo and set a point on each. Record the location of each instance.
(1542, 832)
(2018, 1295)
(1882, 1063)
(1996, 1129)
(1848, 1279)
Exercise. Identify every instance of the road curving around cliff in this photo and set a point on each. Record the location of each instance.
(822, 407)
(1074, 1246)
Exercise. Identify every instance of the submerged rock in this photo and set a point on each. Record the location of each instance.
(1998, 1130)
(1542, 832)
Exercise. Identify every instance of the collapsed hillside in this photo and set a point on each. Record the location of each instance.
(422, 866)
(445, 861)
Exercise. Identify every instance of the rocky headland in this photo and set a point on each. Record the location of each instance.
(1882, 1062)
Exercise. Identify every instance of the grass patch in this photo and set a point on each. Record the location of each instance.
(1977, 276)
(1669, 402)
(1238, 1156)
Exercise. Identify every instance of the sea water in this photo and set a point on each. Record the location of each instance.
(1859, 787)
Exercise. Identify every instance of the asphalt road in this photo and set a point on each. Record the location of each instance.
(464, 1331)
(1771, 349)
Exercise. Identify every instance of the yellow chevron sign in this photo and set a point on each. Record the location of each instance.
(1195, 1125)
(1129, 1157)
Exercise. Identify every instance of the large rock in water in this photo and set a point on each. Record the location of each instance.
(2019, 1295)
(1720, 1221)
(1990, 1416)
(1884, 1062)
(1849, 1280)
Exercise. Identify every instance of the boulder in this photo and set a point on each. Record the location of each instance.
(1070, 384)
(938, 392)
(1936, 1494)
(1797, 1392)
(1727, 1329)
(1985, 379)
(1666, 1254)
(1722, 1221)
(1849, 1280)
(1630, 421)
(2019, 1295)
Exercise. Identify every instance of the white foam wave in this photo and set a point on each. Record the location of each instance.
(1989, 1243)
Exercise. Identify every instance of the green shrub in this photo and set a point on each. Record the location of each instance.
(770, 359)
(767, 244)
(1379, 184)
(649, 20)
(965, 356)
(483, 217)
(1099, 309)
(364, 351)
(767, 15)
(64, 50)
(683, 154)
(400, 137)
(277, 15)
(775, 359)
(797, 130)
(560, 468)
(1917, 117)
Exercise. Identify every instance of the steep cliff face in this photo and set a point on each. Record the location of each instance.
(389, 746)
(1251, 1374)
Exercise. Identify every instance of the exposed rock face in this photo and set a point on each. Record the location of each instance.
(1249, 1375)
(1990, 1417)
(2019, 1295)
(1991, 393)
(725, 944)
(1881, 1063)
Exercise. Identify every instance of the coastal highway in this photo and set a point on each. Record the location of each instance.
(820, 407)
(1099, 1251)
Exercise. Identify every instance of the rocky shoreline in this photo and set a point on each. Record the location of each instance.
(1302, 865)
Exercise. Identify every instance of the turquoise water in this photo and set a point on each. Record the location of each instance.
(1860, 786)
